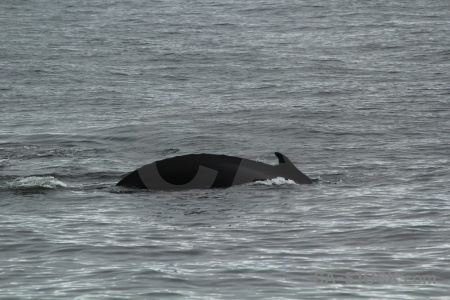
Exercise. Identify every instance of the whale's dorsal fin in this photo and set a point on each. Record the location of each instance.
(289, 170)
(281, 158)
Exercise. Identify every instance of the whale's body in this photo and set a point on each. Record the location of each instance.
(204, 171)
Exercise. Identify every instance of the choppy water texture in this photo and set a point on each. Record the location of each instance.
(355, 93)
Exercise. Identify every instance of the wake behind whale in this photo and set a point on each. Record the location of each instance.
(205, 171)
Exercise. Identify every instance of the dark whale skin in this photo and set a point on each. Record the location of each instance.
(202, 171)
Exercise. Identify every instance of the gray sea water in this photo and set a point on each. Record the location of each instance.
(355, 93)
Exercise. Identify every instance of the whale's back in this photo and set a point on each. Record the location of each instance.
(181, 170)
(209, 171)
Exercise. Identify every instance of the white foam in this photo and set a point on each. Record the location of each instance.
(48, 182)
(275, 181)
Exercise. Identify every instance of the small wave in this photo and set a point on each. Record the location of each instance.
(275, 181)
(4, 162)
(332, 178)
(33, 182)
(170, 151)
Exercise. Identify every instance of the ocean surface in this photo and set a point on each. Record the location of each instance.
(355, 93)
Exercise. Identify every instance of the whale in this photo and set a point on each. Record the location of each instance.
(207, 171)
